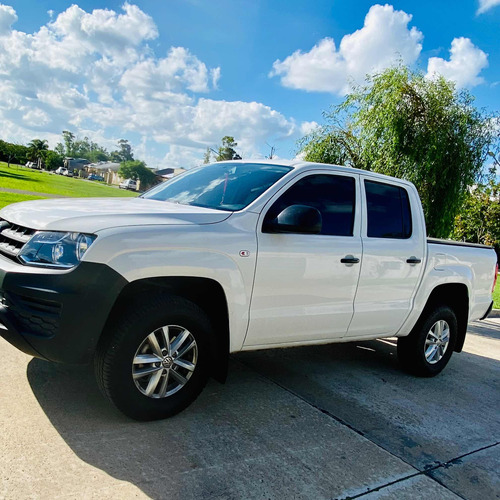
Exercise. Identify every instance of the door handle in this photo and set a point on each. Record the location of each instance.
(413, 260)
(349, 259)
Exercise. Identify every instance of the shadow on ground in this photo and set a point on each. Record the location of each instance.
(16, 175)
(262, 433)
(486, 328)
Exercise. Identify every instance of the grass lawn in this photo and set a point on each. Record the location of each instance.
(26, 179)
(8, 198)
(496, 295)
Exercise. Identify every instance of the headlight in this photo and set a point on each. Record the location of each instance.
(51, 248)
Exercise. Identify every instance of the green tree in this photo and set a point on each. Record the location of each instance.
(137, 170)
(13, 153)
(53, 160)
(124, 152)
(85, 148)
(37, 149)
(97, 154)
(59, 149)
(69, 143)
(82, 148)
(226, 150)
(479, 217)
(402, 124)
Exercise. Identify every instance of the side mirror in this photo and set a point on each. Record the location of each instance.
(300, 219)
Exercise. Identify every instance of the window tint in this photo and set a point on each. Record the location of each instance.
(333, 195)
(389, 214)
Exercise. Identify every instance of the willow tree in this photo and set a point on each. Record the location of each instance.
(402, 124)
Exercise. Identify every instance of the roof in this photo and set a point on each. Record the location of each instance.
(308, 165)
(78, 160)
(164, 171)
(105, 166)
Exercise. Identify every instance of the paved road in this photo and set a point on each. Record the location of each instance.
(339, 421)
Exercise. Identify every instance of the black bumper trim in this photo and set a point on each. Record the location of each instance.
(83, 298)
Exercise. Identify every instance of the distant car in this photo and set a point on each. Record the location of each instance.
(95, 177)
(61, 170)
(68, 173)
(34, 165)
(128, 184)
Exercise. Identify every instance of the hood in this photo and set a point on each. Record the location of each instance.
(88, 215)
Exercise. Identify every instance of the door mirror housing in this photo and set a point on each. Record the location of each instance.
(300, 219)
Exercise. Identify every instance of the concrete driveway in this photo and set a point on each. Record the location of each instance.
(338, 421)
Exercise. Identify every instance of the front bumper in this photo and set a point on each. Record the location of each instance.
(53, 314)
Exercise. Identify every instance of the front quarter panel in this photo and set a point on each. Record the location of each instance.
(225, 252)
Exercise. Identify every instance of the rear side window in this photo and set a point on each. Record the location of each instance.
(333, 195)
(389, 214)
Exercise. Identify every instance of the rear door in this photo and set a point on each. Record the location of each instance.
(394, 242)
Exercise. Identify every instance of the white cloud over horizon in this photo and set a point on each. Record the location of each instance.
(87, 71)
(383, 40)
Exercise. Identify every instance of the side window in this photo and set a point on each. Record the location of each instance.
(389, 214)
(333, 195)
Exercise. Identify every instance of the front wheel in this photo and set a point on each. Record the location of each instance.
(428, 348)
(153, 362)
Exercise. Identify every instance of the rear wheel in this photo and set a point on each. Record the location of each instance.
(428, 348)
(153, 362)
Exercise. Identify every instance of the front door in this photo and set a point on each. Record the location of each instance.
(302, 290)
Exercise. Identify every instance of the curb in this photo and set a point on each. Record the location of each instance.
(495, 313)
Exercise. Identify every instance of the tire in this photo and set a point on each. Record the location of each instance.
(142, 375)
(425, 351)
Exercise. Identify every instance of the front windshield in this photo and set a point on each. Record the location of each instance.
(223, 186)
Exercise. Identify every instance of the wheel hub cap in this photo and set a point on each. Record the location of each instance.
(436, 342)
(167, 362)
(164, 361)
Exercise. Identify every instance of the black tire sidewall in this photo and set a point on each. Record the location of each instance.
(130, 333)
(411, 349)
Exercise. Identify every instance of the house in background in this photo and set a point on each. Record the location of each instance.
(108, 169)
(76, 165)
(165, 174)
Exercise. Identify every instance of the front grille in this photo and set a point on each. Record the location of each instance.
(12, 238)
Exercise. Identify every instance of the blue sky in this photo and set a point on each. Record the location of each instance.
(174, 76)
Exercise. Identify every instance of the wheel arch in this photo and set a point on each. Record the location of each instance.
(455, 296)
(206, 293)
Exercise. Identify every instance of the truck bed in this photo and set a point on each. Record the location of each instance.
(456, 243)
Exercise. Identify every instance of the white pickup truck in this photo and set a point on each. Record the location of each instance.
(158, 290)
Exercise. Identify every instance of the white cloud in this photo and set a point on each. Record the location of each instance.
(465, 63)
(182, 156)
(7, 18)
(307, 127)
(485, 5)
(179, 70)
(95, 74)
(384, 39)
(36, 117)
